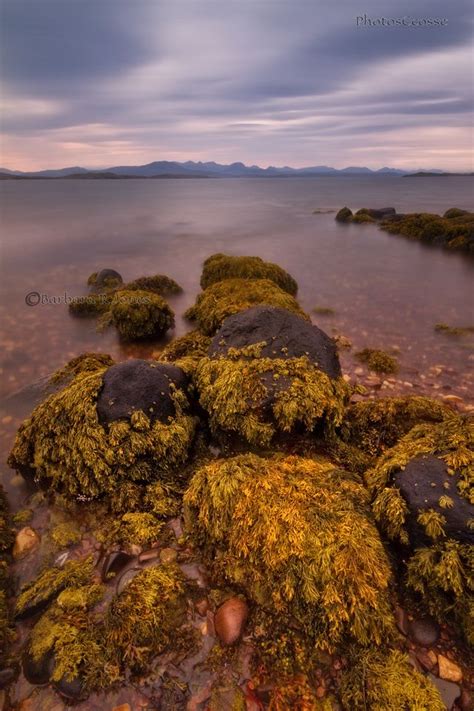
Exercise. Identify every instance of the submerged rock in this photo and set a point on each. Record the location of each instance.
(26, 541)
(38, 672)
(230, 619)
(139, 385)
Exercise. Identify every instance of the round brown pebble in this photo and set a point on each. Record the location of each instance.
(424, 631)
(230, 620)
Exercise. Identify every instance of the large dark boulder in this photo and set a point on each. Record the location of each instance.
(285, 335)
(422, 483)
(344, 215)
(105, 278)
(139, 385)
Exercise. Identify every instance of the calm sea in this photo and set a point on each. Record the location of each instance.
(386, 291)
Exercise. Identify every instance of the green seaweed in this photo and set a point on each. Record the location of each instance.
(453, 232)
(92, 305)
(453, 330)
(84, 363)
(219, 267)
(231, 296)
(297, 536)
(186, 351)
(159, 284)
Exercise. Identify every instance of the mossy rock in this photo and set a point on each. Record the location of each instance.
(84, 363)
(90, 306)
(158, 283)
(387, 682)
(6, 543)
(375, 425)
(256, 397)
(376, 213)
(453, 232)
(231, 296)
(297, 536)
(219, 267)
(455, 212)
(105, 279)
(378, 361)
(186, 351)
(138, 314)
(437, 523)
(67, 448)
(275, 333)
(361, 218)
(344, 215)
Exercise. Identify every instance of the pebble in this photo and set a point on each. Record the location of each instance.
(148, 555)
(447, 690)
(424, 631)
(230, 620)
(202, 606)
(26, 541)
(401, 620)
(122, 707)
(449, 670)
(168, 555)
(427, 660)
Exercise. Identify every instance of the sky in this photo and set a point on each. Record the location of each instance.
(98, 83)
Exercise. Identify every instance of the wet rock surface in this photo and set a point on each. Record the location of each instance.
(285, 336)
(230, 620)
(139, 385)
(424, 631)
(422, 483)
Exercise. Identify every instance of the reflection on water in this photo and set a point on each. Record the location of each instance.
(386, 292)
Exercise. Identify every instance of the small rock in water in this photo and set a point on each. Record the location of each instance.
(449, 670)
(113, 563)
(37, 673)
(26, 541)
(71, 688)
(424, 631)
(230, 620)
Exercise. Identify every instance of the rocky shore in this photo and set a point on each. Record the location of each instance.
(454, 230)
(238, 523)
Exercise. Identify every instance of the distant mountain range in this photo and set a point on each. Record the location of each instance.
(191, 169)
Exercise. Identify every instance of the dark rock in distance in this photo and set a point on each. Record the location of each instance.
(139, 385)
(38, 673)
(114, 563)
(377, 214)
(424, 631)
(344, 215)
(423, 481)
(230, 619)
(105, 278)
(285, 334)
(6, 677)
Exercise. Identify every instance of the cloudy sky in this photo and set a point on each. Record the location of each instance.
(272, 82)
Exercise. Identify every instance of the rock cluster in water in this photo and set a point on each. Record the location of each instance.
(454, 230)
(226, 515)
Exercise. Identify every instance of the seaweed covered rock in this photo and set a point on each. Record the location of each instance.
(280, 334)
(423, 491)
(105, 279)
(186, 351)
(455, 212)
(376, 213)
(455, 232)
(139, 385)
(138, 314)
(377, 360)
(261, 389)
(218, 267)
(377, 680)
(67, 447)
(84, 363)
(297, 536)
(90, 306)
(158, 283)
(376, 425)
(344, 215)
(6, 542)
(231, 296)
